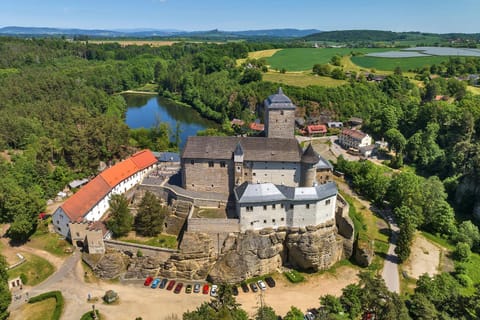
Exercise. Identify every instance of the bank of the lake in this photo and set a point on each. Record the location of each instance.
(148, 110)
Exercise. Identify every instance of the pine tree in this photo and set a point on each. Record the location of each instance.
(150, 216)
(121, 221)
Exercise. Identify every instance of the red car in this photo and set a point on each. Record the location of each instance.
(206, 288)
(178, 288)
(148, 281)
(171, 284)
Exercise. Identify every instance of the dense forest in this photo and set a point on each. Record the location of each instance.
(61, 115)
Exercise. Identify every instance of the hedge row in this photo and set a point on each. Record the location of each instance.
(57, 295)
(294, 276)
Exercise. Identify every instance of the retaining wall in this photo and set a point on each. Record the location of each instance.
(134, 247)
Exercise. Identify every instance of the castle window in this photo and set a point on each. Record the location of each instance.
(251, 223)
(264, 207)
(222, 164)
(273, 206)
(246, 174)
(307, 206)
(192, 161)
(210, 164)
(281, 112)
(58, 222)
(212, 185)
(327, 202)
(264, 221)
(281, 205)
(249, 208)
(291, 206)
(238, 169)
(78, 234)
(273, 220)
(282, 219)
(193, 185)
(254, 174)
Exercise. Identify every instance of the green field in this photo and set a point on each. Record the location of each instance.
(34, 270)
(389, 64)
(300, 59)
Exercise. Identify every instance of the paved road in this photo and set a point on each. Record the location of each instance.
(390, 267)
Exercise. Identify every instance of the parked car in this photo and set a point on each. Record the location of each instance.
(254, 287)
(261, 285)
(148, 281)
(196, 288)
(188, 289)
(205, 289)
(178, 288)
(163, 284)
(270, 282)
(155, 283)
(171, 284)
(309, 316)
(235, 290)
(244, 287)
(213, 292)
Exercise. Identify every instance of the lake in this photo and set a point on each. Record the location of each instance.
(148, 110)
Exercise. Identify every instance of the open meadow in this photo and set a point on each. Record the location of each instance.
(301, 79)
(389, 64)
(300, 59)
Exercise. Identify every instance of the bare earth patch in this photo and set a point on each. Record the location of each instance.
(424, 258)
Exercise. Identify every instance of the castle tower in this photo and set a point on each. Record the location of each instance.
(309, 160)
(279, 116)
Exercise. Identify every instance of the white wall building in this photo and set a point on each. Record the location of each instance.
(266, 205)
(356, 139)
(91, 202)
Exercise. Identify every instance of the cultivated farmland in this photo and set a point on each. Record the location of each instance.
(390, 64)
(300, 59)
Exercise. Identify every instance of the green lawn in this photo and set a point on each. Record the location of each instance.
(36, 269)
(50, 242)
(389, 64)
(39, 310)
(162, 241)
(300, 59)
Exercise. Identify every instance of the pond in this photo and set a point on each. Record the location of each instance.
(147, 111)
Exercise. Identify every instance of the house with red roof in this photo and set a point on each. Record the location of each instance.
(317, 129)
(350, 138)
(91, 202)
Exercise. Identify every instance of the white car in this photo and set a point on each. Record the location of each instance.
(261, 285)
(213, 292)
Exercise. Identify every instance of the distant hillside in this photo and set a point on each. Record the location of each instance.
(359, 35)
(148, 33)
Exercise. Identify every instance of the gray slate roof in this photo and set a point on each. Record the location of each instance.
(323, 163)
(310, 156)
(254, 148)
(251, 193)
(279, 101)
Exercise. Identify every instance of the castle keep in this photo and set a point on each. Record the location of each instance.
(273, 179)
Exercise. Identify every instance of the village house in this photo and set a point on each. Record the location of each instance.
(355, 139)
(91, 202)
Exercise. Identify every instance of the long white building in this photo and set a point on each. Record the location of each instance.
(91, 202)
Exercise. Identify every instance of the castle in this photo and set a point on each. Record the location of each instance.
(273, 179)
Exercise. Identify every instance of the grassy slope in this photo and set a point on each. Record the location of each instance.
(39, 310)
(36, 269)
(301, 79)
(300, 59)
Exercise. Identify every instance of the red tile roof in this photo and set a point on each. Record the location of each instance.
(119, 172)
(81, 202)
(77, 206)
(317, 128)
(355, 134)
(144, 159)
(257, 126)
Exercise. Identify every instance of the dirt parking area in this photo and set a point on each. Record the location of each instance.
(424, 258)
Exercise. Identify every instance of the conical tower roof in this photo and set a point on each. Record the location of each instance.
(309, 156)
(279, 101)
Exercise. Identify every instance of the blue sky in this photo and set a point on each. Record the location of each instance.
(439, 16)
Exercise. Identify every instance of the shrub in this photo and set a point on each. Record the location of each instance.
(24, 278)
(462, 251)
(464, 280)
(139, 253)
(57, 295)
(294, 276)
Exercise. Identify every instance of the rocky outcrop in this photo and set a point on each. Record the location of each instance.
(108, 266)
(141, 267)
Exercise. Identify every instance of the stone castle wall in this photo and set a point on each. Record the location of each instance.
(280, 124)
(199, 176)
